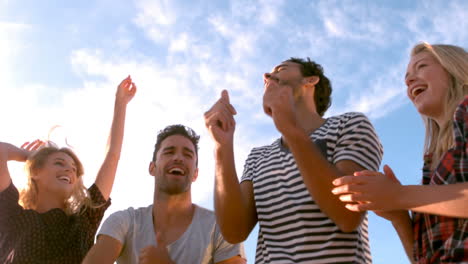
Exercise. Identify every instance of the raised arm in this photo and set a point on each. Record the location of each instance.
(105, 178)
(10, 152)
(234, 202)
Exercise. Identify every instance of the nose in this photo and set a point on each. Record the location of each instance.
(266, 76)
(410, 78)
(178, 156)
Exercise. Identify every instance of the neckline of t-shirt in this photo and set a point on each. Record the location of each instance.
(282, 148)
(187, 231)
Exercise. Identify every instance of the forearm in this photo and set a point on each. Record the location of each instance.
(318, 175)
(447, 200)
(404, 228)
(9, 152)
(231, 208)
(106, 174)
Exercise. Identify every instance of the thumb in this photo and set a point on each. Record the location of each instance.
(389, 173)
(225, 95)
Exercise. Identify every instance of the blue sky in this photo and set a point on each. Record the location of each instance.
(60, 63)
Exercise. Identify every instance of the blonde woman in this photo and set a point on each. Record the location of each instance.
(55, 218)
(437, 232)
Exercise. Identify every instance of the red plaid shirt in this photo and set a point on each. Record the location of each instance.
(442, 239)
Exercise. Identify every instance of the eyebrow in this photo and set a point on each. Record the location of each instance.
(184, 148)
(60, 159)
(281, 65)
(189, 150)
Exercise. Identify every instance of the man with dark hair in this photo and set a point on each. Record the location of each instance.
(172, 229)
(286, 186)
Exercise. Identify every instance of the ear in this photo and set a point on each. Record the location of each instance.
(152, 168)
(308, 85)
(195, 175)
(33, 174)
(311, 80)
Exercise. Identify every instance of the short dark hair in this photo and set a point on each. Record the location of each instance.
(323, 89)
(176, 130)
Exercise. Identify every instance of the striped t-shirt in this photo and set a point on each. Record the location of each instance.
(292, 227)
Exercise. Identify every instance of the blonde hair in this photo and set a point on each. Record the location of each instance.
(454, 60)
(79, 196)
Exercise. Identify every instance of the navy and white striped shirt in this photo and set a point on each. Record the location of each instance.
(293, 229)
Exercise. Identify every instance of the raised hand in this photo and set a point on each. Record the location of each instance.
(31, 147)
(370, 190)
(278, 103)
(156, 254)
(220, 120)
(126, 90)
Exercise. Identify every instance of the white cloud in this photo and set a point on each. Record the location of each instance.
(439, 22)
(348, 20)
(155, 17)
(181, 43)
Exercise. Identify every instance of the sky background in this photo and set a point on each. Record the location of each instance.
(61, 61)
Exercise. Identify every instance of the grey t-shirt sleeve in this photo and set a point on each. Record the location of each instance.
(116, 226)
(224, 250)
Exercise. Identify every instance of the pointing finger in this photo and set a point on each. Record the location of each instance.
(225, 96)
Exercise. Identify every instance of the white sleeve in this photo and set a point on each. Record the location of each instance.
(117, 226)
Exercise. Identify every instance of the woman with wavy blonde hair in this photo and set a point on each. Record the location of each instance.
(437, 232)
(29, 195)
(55, 218)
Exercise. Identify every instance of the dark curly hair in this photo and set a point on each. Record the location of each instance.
(176, 130)
(323, 89)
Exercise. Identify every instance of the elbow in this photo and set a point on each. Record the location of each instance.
(348, 226)
(234, 235)
(234, 239)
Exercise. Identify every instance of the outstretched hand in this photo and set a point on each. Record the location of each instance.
(126, 90)
(156, 254)
(219, 120)
(369, 190)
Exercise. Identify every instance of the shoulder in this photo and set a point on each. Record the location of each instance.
(349, 118)
(10, 193)
(350, 123)
(262, 150)
(131, 214)
(460, 122)
(461, 110)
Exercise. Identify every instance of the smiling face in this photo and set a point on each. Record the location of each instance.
(427, 85)
(57, 176)
(175, 166)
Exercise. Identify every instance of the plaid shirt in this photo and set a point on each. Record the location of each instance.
(442, 239)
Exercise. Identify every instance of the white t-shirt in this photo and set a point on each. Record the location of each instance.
(292, 228)
(202, 242)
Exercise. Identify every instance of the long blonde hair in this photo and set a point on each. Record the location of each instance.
(454, 60)
(79, 196)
